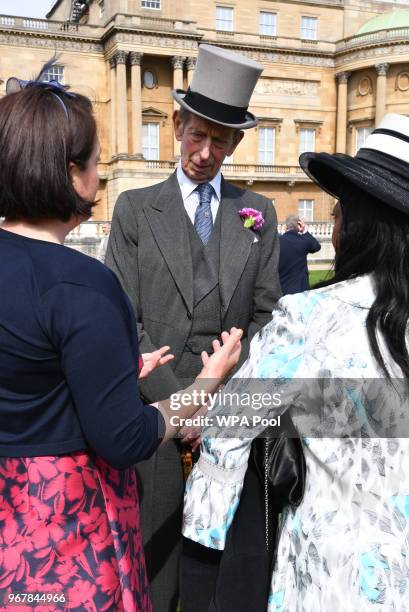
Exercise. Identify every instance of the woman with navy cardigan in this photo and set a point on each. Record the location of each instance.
(72, 422)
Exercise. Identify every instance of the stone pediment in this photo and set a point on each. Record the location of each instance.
(152, 112)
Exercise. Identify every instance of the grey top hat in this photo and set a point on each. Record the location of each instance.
(221, 87)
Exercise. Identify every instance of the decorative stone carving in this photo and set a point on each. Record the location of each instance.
(191, 63)
(287, 87)
(177, 62)
(364, 86)
(112, 61)
(50, 42)
(343, 77)
(274, 122)
(354, 124)
(402, 81)
(121, 57)
(312, 124)
(135, 58)
(188, 44)
(363, 54)
(382, 69)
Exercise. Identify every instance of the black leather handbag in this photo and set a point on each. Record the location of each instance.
(275, 478)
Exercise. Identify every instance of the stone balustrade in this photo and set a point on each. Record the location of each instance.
(279, 42)
(381, 36)
(87, 236)
(43, 25)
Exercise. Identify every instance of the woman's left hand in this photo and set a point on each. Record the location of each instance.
(154, 360)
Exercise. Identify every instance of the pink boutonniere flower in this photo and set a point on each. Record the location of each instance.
(253, 219)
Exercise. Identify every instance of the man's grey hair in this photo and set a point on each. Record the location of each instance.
(292, 222)
(184, 115)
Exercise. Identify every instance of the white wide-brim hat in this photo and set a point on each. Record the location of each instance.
(221, 88)
(380, 168)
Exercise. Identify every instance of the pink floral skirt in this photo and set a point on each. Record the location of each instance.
(69, 527)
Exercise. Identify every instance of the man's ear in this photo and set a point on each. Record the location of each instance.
(237, 138)
(177, 125)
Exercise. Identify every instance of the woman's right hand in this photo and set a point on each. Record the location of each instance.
(225, 356)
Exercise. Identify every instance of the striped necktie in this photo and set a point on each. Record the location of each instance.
(203, 216)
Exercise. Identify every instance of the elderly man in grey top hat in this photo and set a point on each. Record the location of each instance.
(196, 255)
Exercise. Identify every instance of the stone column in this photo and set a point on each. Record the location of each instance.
(191, 65)
(342, 111)
(135, 59)
(177, 63)
(122, 102)
(381, 70)
(112, 63)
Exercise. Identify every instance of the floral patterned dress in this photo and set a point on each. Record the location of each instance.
(69, 527)
(346, 547)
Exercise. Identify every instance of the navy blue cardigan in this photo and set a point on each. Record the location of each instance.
(68, 358)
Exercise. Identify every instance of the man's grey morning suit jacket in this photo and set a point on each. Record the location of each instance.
(149, 250)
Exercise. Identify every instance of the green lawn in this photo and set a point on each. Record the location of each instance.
(316, 276)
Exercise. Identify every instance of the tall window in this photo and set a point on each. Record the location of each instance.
(307, 140)
(224, 18)
(268, 24)
(361, 135)
(55, 73)
(266, 145)
(150, 140)
(306, 210)
(309, 28)
(151, 4)
(101, 5)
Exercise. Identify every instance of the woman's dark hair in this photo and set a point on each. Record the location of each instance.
(374, 238)
(39, 136)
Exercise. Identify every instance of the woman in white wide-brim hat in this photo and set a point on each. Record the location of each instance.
(339, 357)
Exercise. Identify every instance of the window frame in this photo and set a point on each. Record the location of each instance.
(304, 30)
(304, 214)
(51, 76)
(230, 9)
(368, 128)
(156, 125)
(151, 8)
(260, 25)
(304, 149)
(263, 149)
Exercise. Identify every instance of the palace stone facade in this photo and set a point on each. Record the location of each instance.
(331, 71)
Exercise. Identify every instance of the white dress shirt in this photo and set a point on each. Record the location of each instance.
(191, 197)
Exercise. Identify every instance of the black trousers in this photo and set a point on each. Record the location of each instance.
(198, 575)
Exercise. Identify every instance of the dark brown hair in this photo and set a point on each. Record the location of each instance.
(39, 136)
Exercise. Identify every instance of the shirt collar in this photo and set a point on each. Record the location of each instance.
(187, 186)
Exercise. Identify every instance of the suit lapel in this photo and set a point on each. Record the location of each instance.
(235, 244)
(167, 219)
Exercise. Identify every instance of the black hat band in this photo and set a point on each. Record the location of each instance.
(219, 111)
(385, 161)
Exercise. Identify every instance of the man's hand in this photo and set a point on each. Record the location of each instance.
(154, 360)
(225, 356)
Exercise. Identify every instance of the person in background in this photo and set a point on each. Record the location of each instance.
(194, 253)
(295, 244)
(72, 422)
(102, 249)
